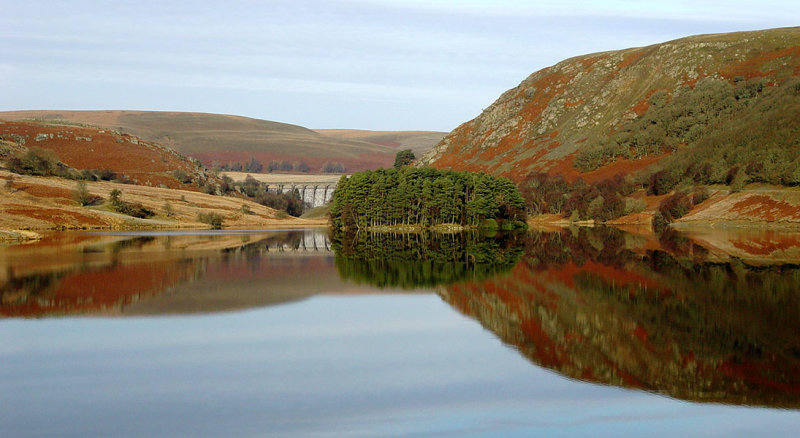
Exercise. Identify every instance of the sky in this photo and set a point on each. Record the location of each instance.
(360, 64)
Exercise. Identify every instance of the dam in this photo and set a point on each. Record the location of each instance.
(315, 189)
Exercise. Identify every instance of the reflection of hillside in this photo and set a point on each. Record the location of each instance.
(155, 273)
(754, 246)
(420, 260)
(236, 283)
(594, 306)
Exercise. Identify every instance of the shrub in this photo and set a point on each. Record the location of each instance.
(105, 174)
(699, 195)
(489, 224)
(659, 223)
(115, 195)
(181, 176)
(227, 184)
(129, 208)
(168, 211)
(675, 206)
(82, 196)
(37, 162)
(211, 218)
(209, 189)
(88, 175)
(134, 209)
(633, 205)
(662, 182)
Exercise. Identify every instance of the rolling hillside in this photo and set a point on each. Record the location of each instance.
(217, 138)
(47, 162)
(707, 109)
(128, 157)
(419, 142)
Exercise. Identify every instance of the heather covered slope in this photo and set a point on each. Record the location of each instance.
(225, 138)
(706, 109)
(121, 156)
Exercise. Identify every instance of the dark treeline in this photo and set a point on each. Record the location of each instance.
(43, 162)
(423, 259)
(255, 166)
(427, 197)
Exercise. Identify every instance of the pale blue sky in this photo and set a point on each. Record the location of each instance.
(366, 64)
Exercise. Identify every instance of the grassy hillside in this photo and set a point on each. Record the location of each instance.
(217, 138)
(61, 176)
(48, 203)
(419, 142)
(595, 115)
(709, 109)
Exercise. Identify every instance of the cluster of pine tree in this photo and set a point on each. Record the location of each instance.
(425, 197)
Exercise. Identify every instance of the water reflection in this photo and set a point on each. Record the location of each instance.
(666, 315)
(158, 273)
(422, 260)
(703, 316)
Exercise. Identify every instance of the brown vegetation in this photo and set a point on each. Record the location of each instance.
(127, 157)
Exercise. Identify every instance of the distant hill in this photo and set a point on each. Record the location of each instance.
(220, 139)
(708, 109)
(419, 142)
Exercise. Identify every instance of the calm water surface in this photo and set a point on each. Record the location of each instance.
(570, 333)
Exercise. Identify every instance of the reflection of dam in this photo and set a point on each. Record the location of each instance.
(303, 243)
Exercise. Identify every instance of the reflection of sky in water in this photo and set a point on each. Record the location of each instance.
(391, 365)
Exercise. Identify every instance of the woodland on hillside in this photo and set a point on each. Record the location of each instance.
(717, 133)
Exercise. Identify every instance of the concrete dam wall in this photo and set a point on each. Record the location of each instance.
(315, 190)
(314, 194)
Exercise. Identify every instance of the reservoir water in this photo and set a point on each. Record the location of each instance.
(297, 333)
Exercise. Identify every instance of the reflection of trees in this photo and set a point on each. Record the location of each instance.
(423, 260)
(589, 305)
